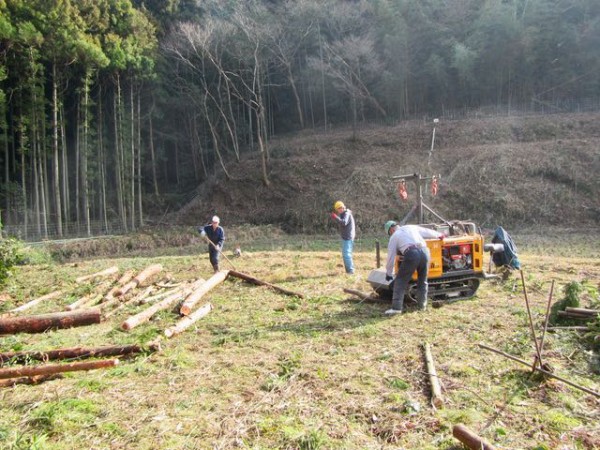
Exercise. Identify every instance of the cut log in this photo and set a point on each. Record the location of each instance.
(436, 391)
(104, 273)
(584, 311)
(125, 278)
(363, 296)
(136, 299)
(258, 282)
(86, 301)
(145, 315)
(32, 303)
(575, 315)
(470, 439)
(574, 328)
(30, 371)
(139, 279)
(185, 322)
(76, 352)
(10, 382)
(44, 322)
(201, 291)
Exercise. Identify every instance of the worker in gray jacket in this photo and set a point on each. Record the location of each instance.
(345, 221)
(408, 241)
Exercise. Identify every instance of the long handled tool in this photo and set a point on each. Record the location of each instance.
(219, 250)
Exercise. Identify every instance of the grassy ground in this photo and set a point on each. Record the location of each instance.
(268, 371)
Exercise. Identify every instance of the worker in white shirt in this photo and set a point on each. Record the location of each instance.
(408, 241)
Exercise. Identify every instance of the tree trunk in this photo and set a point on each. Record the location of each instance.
(184, 323)
(196, 296)
(139, 279)
(470, 439)
(56, 159)
(145, 315)
(436, 391)
(85, 153)
(44, 322)
(75, 352)
(256, 281)
(34, 302)
(152, 152)
(11, 382)
(29, 371)
(103, 273)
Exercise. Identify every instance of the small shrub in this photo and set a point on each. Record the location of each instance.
(10, 255)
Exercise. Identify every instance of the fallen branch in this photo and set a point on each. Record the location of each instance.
(583, 311)
(29, 371)
(436, 391)
(258, 282)
(10, 382)
(32, 303)
(470, 439)
(545, 372)
(44, 322)
(104, 273)
(187, 321)
(363, 297)
(76, 352)
(202, 289)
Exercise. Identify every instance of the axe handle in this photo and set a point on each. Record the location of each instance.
(220, 252)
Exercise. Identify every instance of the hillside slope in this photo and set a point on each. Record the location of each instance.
(513, 171)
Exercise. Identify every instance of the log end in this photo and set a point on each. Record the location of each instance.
(185, 310)
(169, 333)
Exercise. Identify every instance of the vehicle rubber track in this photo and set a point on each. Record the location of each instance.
(448, 289)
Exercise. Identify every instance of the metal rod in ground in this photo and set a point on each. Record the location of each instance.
(537, 347)
(547, 316)
(545, 372)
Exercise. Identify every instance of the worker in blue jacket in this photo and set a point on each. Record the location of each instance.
(215, 235)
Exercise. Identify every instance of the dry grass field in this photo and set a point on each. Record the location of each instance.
(268, 371)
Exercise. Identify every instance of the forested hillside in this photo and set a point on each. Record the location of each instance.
(115, 111)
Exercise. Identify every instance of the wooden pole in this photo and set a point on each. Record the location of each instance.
(185, 322)
(76, 352)
(470, 439)
(29, 371)
(537, 347)
(258, 282)
(585, 311)
(44, 322)
(34, 302)
(201, 291)
(104, 273)
(436, 392)
(547, 318)
(545, 372)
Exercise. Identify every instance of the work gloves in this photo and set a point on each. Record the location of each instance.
(203, 233)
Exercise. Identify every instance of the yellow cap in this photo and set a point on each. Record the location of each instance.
(338, 204)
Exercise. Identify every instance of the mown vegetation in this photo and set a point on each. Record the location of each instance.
(264, 370)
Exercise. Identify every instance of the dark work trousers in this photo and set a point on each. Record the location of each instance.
(213, 254)
(413, 259)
